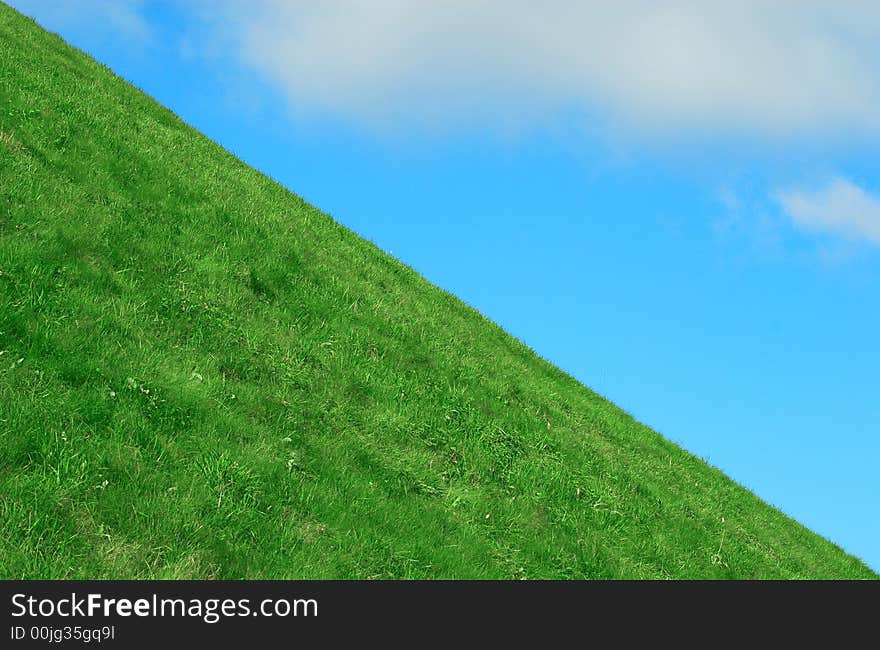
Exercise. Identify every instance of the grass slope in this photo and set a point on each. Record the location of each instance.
(203, 376)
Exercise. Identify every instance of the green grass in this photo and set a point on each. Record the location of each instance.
(202, 376)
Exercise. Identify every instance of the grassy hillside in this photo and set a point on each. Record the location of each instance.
(203, 376)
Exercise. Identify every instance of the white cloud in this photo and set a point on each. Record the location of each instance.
(788, 68)
(841, 207)
(769, 69)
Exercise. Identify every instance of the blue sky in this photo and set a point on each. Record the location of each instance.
(678, 204)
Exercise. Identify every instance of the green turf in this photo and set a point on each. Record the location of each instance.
(202, 376)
